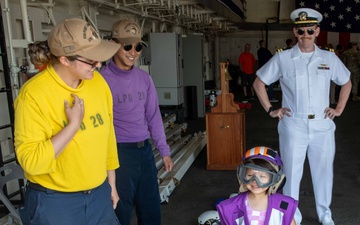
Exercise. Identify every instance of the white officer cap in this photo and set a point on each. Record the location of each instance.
(304, 17)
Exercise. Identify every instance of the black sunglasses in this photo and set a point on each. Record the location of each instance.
(138, 47)
(310, 31)
(93, 65)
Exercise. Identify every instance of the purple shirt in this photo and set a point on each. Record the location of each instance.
(280, 210)
(136, 107)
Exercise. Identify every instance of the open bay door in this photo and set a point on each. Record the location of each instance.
(193, 76)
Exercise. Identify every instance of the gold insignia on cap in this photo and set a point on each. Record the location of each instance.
(133, 30)
(90, 34)
(303, 16)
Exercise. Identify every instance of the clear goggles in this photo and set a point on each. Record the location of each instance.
(264, 178)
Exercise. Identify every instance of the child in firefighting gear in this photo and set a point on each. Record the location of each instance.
(260, 177)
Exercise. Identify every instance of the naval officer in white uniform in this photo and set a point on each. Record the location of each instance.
(306, 126)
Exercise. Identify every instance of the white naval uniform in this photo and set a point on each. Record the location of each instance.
(305, 85)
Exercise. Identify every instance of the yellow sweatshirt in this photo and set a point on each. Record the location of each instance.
(40, 114)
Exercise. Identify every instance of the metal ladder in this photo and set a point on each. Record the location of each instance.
(9, 143)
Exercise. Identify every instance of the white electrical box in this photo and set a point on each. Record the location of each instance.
(167, 67)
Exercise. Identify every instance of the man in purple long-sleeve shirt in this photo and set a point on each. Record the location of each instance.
(136, 118)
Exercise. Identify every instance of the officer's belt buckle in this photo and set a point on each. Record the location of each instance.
(311, 116)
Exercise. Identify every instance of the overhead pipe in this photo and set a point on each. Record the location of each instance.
(171, 5)
(14, 70)
(25, 22)
(163, 28)
(27, 32)
(161, 6)
(142, 3)
(143, 10)
(48, 7)
(117, 4)
(143, 24)
(129, 10)
(87, 16)
(153, 25)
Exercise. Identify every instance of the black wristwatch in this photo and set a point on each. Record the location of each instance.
(270, 110)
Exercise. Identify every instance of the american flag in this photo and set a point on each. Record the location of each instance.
(340, 22)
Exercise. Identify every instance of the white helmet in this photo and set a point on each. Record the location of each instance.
(233, 195)
(210, 217)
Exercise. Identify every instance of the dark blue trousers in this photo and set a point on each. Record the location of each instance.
(48, 207)
(271, 91)
(136, 182)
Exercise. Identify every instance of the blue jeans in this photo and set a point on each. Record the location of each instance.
(48, 207)
(136, 182)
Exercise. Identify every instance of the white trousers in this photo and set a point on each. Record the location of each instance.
(314, 138)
